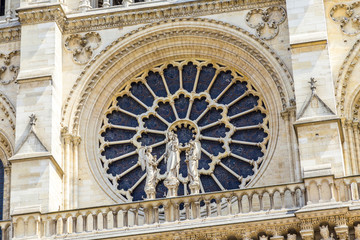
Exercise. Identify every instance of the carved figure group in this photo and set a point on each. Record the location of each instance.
(149, 163)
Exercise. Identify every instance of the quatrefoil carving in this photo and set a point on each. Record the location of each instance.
(82, 46)
(9, 66)
(266, 21)
(348, 16)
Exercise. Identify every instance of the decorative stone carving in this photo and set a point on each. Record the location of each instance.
(193, 155)
(266, 21)
(10, 34)
(347, 16)
(357, 232)
(342, 232)
(10, 67)
(291, 236)
(325, 234)
(82, 46)
(172, 160)
(148, 162)
(43, 14)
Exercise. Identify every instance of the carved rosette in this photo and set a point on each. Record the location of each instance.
(9, 66)
(82, 46)
(347, 16)
(266, 21)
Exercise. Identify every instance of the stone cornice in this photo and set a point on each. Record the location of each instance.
(10, 34)
(95, 21)
(42, 14)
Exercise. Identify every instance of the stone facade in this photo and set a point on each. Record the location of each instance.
(280, 161)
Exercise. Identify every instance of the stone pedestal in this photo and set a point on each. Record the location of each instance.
(150, 193)
(172, 186)
(194, 188)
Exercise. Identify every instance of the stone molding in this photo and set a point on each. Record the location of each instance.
(48, 13)
(168, 33)
(10, 34)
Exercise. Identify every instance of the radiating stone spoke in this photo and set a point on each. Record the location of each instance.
(258, 126)
(224, 91)
(165, 84)
(139, 102)
(137, 183)
(122, 127)
(245, 142)
(244, 112)
(196, 78)
(231, 171)
(118, 142)
(217, 182)
(150, 90)
(207, 153)
(111, 160)
(158, 144)
(210, 125)
(213, 80)
(149, 130)
(174, 109)
(126, 112)
(201, 115)
(189, 109)
(251, 162)
(212, 139)
(238, 99)
(127, 171)
(162, 119)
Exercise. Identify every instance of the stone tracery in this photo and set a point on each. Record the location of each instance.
(198, 100)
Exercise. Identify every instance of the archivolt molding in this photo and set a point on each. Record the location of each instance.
(204, 28)
(8, 109)
(344, 75)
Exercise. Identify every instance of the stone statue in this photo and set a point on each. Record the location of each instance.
(172, 159)
(357, 232)
(148, 162)
(193, 154)
(263, 237)
(325, 234)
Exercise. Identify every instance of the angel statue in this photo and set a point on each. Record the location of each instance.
(148, 162)
(172, 160)
(193, 154)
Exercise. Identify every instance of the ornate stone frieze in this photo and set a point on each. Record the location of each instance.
(158, 13)
(82, 46)
(347, 16)
(53, 13)
(9, 66)
(10, 34)
(266, 22)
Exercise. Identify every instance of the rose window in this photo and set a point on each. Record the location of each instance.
(197, 100)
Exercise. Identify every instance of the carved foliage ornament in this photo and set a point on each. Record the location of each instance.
(9, 66)
(348, 16)
(266, 21)
(82, 46)
(198, 100)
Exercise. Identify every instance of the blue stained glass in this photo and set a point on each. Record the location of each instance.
(246, 151)
(130, 179)
(236, 90)
(198, 107)
(122, 119)
(250, 135)
(118, 150)
(209, 184)
(204, 161)
(207, 73)
(154, 123)
(211, 116)
(212, 147)
(165, 111)
(242, 168)
(188, 75)
(171, 75)
(249, 119)
(222, 80)
(156, 84)
(184, 135)
(246, 103)
(216, 131)
(228, 181)
(148, 139)
(183, 127)
(122, 165)
(114, 134)
(140, 91)
(181, 105)
(130, 105)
